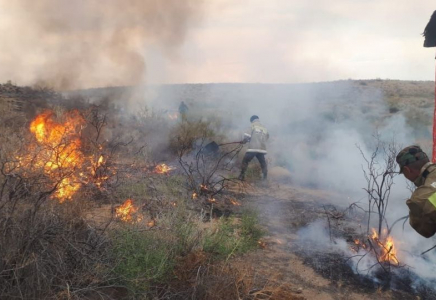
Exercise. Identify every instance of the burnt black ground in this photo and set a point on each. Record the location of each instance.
(284, 214)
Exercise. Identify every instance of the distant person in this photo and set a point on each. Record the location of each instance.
(417, 168)
(256, 136)
(183, 110)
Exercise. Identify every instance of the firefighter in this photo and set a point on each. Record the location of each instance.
(416, 167)
(183, 110)
(256, 136)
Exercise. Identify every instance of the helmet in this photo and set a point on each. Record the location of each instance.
(254, 117)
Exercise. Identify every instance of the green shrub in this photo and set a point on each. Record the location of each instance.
(142, 258)
(185, 134)
(224, 240)
(231, 237)
(250, 230)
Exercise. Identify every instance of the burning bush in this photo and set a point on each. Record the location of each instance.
(127, 212)
(56, 152)
(51, 249)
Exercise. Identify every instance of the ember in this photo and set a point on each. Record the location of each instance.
(152, 223)
(126, 211)
(194, 196)
(163, 169)
(261, 244)
(234, 202)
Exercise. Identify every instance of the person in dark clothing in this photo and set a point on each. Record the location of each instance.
(257, 136)
(183, 110)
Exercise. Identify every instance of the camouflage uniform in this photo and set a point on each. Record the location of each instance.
(422, 203)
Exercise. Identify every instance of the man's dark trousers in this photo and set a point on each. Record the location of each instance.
(246, 160)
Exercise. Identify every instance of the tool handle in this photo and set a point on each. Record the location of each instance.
(230, 143)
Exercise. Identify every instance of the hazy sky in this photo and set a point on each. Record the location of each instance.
(85, 43)
(304, 41)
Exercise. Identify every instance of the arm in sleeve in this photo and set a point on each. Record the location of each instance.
(247, 135)
(422, 216)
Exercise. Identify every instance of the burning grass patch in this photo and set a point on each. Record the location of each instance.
(337, 261)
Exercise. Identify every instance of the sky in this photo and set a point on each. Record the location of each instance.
(83, 44)
(307, 41)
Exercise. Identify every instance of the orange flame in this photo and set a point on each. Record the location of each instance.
(100, 161)
(60, 155)
(384, 247)
(173, 116)
(194, 196)
(234, 202)
(387, 249)
(57, 153)
(125, 211)
(98, 175)
(163, 169)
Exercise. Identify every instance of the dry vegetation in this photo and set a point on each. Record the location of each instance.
(64, 232)
(187, 222)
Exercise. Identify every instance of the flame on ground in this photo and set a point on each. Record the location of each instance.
(163, 169)
(194, 196)
(100, 172)
(387, 249)
(234, 202)
(384, 247)
(126, 211)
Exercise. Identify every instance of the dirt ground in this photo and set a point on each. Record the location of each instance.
(307, 273)
(296, 268)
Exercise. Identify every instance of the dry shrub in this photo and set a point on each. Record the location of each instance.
(184, 136)
(226, 280)
(47, 250)
(254, 171)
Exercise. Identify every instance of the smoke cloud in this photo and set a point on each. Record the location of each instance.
(81, 44)
(314, 133)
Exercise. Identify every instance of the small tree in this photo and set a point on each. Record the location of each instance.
(379, 172)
